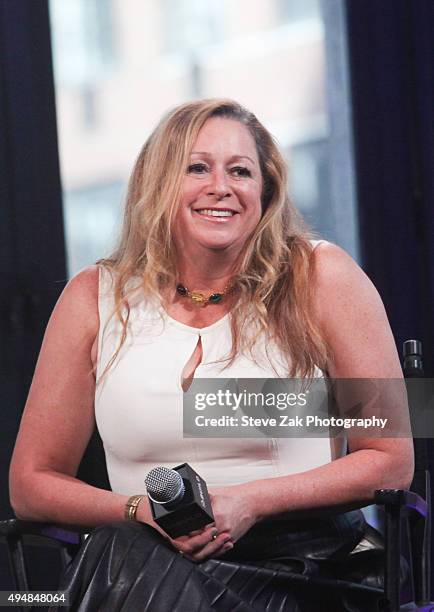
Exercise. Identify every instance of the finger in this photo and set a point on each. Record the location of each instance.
(200, 539)
(196, 543)
(195, 546)
(224, 549)
(199, 531)
(212, 548)
(196, 532)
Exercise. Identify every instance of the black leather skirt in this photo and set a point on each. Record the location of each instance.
(328, 565)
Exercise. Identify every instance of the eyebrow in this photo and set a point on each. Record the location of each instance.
(232, 158)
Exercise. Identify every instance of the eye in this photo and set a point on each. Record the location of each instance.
(198, 168)
(240, 171)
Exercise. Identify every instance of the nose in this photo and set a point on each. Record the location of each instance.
(219, 186)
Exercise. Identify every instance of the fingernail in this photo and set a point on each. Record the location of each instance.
(228, 546)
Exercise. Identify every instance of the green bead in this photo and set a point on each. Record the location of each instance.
(215, 297)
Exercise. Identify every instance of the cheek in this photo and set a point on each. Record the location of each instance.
(190, 190)
(252, 197)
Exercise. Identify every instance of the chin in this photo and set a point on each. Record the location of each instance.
(214, 241)
(217, 245)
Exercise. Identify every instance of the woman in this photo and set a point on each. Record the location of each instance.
(213, 277)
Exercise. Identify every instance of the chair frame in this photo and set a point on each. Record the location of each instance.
(398, 504)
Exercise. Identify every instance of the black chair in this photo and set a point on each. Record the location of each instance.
(402, 508)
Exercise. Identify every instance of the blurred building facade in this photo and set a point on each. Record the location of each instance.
(120, 64)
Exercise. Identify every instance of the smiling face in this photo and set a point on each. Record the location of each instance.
(221, 195)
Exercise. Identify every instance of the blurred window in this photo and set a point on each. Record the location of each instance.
(201, 24)
(83, 41)
(294, 10)
(120, 64)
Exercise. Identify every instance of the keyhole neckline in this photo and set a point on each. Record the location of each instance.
(195, 330)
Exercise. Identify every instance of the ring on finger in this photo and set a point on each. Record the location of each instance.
(214, 535)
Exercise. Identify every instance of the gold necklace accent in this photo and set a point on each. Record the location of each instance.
(199, 299)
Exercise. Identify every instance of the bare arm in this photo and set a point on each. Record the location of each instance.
(353, 321)
(58, 419)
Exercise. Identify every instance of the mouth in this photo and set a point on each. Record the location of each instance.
(214, 213)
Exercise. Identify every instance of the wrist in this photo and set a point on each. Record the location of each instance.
(143, 513)
(252, 492)
(131, 507)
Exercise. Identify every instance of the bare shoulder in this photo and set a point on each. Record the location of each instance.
(339, 283)
(351, 316)
(334, 268)
(78, 303)
(83, 287)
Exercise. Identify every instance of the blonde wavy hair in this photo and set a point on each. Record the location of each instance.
(272, 285)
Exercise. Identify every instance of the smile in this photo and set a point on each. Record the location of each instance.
(212, 212)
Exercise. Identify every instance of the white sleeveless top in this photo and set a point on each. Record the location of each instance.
(138, 403)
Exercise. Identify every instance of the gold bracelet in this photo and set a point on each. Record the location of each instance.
(131, 507)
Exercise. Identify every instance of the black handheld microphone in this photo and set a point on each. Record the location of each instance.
(179, 499)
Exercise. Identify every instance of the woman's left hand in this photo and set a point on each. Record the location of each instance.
(234, 510)
(234, 515)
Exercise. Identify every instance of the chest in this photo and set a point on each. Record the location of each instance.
(187, 313)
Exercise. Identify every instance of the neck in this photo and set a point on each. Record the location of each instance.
(208, 273)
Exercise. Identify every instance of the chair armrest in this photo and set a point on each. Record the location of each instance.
(398, 502)
(66, 538)
(16, 528)
(401, 498)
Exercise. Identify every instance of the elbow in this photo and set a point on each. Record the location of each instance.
(19, 497)
(398, 471)
(406, 471)
(20, 512)
(17, 502)
(399, 481)
(18, 508)
(23, 511)
(406, 478)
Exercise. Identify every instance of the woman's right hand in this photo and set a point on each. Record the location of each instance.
(195, 546)
(203, 544)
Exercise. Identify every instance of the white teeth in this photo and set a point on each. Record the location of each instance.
(215, 213)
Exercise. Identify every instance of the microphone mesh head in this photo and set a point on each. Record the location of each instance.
(164, 485)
